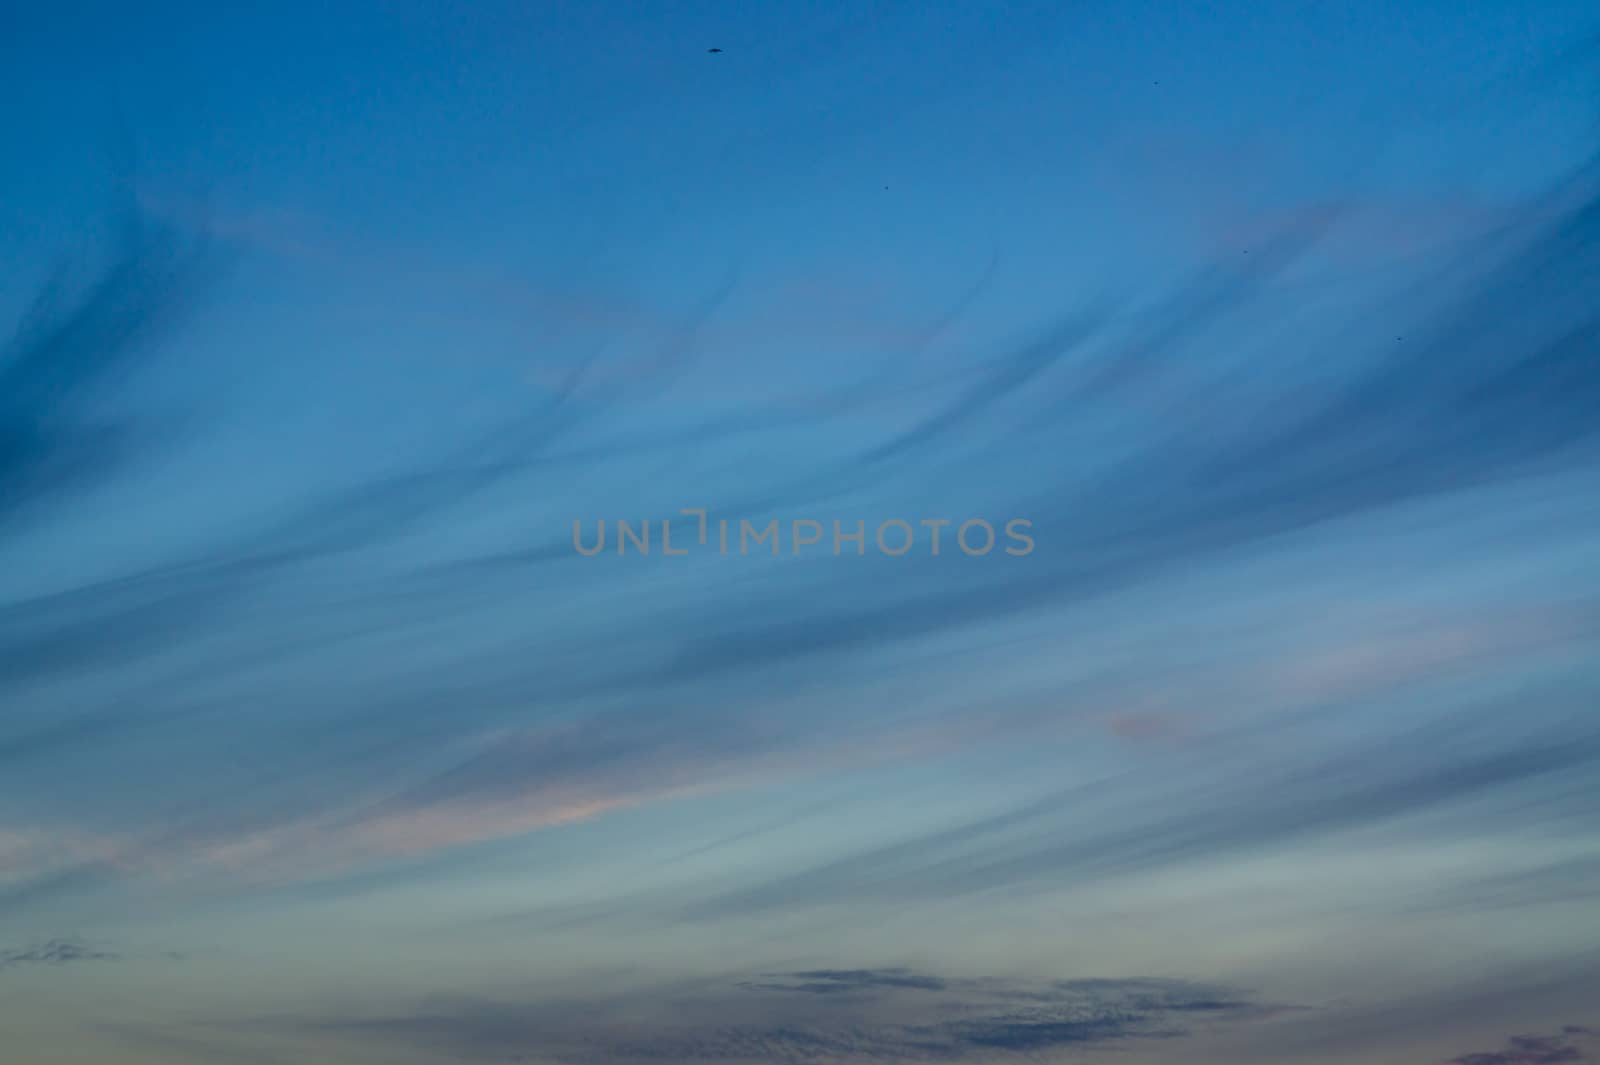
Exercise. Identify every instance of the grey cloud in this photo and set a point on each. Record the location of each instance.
(54, 952)
(1531, 1050)
(840, 981)
(889, 1014)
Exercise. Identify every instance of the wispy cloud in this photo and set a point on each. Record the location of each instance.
(74, 344)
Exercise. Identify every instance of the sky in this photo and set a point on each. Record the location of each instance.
(1156, 449)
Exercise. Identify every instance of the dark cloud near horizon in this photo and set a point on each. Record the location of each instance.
(890, 1014)
(844, 981)
(1532, 1050)
(54, 952)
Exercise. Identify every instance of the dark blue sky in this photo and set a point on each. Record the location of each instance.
(1274, 325)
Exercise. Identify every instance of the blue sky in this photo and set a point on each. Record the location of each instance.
(319, 740)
